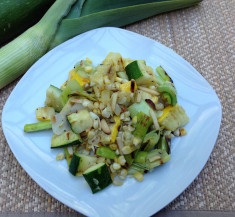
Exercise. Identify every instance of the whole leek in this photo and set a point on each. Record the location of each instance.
(17, 56)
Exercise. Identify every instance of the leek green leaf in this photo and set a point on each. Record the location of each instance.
(114, 17)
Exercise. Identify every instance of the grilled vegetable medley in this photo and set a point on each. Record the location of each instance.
(112, 120)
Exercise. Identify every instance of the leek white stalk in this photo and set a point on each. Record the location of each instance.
(17, 56)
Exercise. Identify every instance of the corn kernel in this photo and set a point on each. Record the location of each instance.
(117, 182)
(117, 79)
(60, 156)
(96, 105)
(155, 99)
(182, 132)
(128, 87)
(89, 60)
(139, 176)
(91, 134)
(113, 147)
(112, 169)
(117, 152)
(100, 160)
(106, 80)
(116, 166)
(126, 150)
(95, 111)
(123, 172)
(88, 69)
(121, 160)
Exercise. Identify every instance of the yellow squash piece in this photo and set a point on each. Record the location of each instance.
(64, 85)
(115, 59)
(45, 113)
(74, 75)
(173, 117)
(115, 128)
(127, 86)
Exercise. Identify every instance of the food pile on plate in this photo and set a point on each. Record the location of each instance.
(112, 120)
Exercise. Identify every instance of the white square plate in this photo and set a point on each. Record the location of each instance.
(188, 154)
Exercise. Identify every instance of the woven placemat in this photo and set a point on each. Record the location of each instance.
(204, 35)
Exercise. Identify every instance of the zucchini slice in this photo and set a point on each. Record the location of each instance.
(80, 121)
(98, 177)
(53, 98)
(80, 162)
(44, 113)
(133, 70)
(67, 138)
(137, 70)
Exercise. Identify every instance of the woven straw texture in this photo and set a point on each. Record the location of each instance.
(204, 35)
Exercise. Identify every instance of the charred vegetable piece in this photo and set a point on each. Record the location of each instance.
(169, 89)
(45, 113)
(142, 125)
(65, 139)
(157, 157)
(129, 86)
(80, 121)
(166, 98)
(173, 117)
(151, 139)
(98, 177)
(162, 73)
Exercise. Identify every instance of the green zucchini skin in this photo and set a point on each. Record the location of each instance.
(133, 70)
(75, 161)
(18, 15)
(98, 177)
